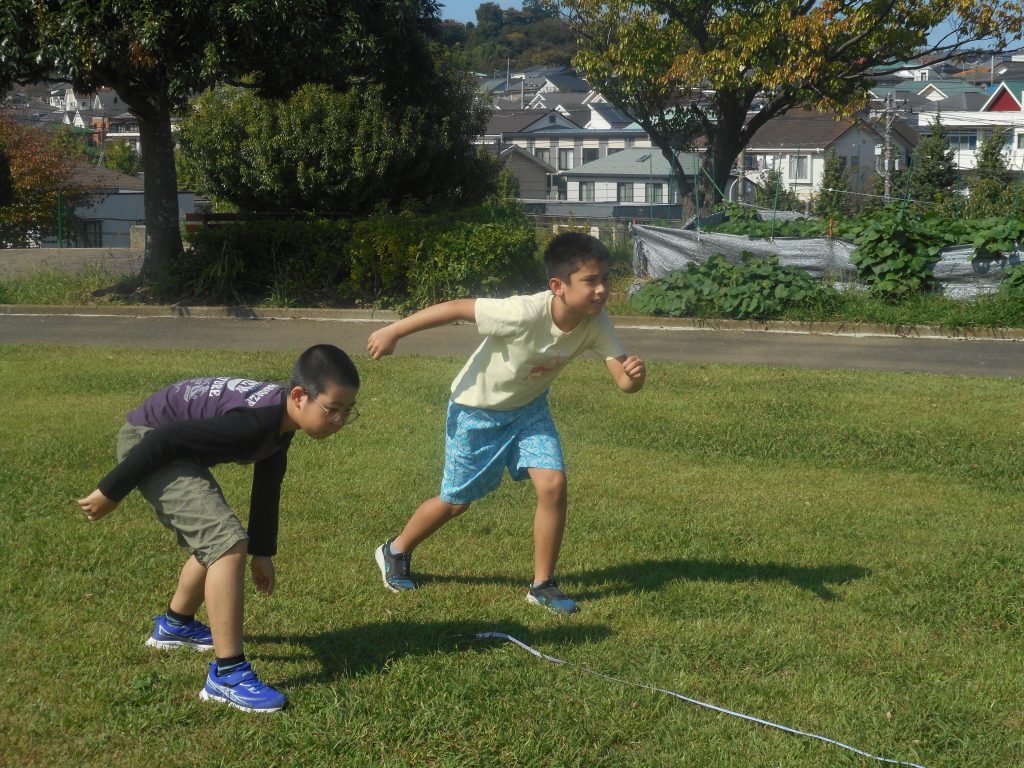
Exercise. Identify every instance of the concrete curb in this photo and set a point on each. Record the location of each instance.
(621, 321)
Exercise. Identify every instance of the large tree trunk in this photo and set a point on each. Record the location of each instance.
(723, 151)
(163, 233)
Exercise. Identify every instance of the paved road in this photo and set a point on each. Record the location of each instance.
(682, 343)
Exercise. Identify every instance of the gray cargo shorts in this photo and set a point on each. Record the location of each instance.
(188, 501)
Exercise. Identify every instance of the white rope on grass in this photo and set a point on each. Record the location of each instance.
(722, 710)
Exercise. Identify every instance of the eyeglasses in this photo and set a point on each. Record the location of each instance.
(341, 415)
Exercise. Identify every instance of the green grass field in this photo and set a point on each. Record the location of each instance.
(838, 552)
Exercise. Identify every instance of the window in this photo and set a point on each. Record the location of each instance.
(855, 164)
(624, 192)
(589, 155)
(613, 150)
(92, 233)
(543, 154)
(652, 193)
(962, 140)
(1020, 141)
(587, 190)
(798, 167)
(565, 159)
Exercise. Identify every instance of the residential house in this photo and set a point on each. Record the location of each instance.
(639, 175)
(533, 174)
(562, 141)
(796, 144)
(125, 127)
(114, 204)
(995, 71)
(1004, 110)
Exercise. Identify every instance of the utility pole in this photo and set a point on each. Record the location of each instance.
(888, 115)
(741, 182)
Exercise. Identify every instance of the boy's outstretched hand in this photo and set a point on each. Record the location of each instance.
(96, 505)
(381, 343)
(634, 367)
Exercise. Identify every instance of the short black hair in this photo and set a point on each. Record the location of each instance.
(322, 365)
(566, 251)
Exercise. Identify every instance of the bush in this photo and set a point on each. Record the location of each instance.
(403, 260)
(757, 288)
(242, 261)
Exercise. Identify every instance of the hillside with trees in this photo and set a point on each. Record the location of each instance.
(534, 36)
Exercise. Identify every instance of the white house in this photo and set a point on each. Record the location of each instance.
(966, 129)
(797, 142)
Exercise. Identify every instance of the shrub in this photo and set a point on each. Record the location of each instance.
(757, 288)
(240, 261)
(401, 260)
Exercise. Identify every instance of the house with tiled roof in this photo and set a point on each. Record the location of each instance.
(797, 142)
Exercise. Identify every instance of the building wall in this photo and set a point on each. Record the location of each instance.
(980, 125)
(108, 220)
(606, 191)
(533, 180)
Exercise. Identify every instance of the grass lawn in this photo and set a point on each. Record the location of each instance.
(838, 552)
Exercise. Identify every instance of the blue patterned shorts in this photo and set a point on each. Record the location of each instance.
(481, 443)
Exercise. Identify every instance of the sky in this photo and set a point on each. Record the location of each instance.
(465, 10)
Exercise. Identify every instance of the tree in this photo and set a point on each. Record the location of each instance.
(121, 156)
(932, 169)
(41, 187)
(991, 185)
(833, 199)
(489, 13)
(685, 68)
(773, 194)
(327, 151)
(158, 53)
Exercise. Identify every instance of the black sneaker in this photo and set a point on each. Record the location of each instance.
(394, 568)
(551, 597)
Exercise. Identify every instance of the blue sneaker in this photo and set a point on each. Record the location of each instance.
(241, 689)
(195, 635)
(394, 568)
(548, 594)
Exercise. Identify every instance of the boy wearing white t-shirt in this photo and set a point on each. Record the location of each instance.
(498, 415)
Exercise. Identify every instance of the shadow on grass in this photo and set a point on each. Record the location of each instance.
(369, 648)
(653, 575)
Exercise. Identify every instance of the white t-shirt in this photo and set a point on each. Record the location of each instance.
(524, 351)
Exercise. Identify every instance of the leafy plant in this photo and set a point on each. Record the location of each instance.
(757, 288)
(1013, 283)
(996, 237)
(896, 251)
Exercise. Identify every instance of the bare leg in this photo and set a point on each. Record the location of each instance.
(549, 520)
(225, 580)
(191, 588)
(428, 517)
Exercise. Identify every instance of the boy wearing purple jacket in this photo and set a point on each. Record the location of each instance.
(166, 448)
